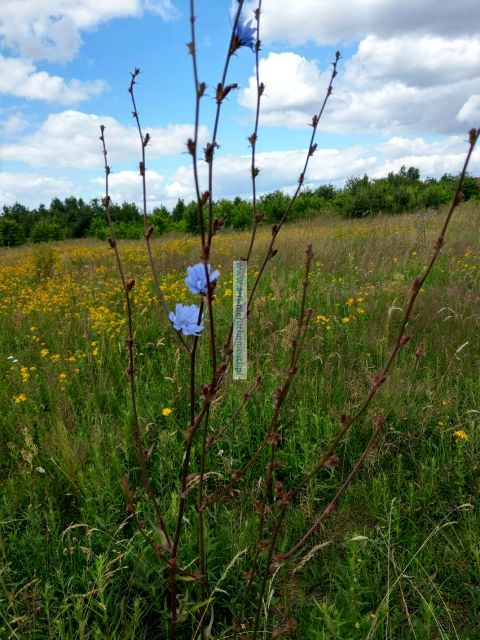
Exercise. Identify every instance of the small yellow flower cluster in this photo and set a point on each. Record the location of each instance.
(323, 320)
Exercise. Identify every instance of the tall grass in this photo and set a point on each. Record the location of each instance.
(73, 563)
(149, 494)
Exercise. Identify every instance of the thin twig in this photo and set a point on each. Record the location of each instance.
(346, 421)
(148, 230)
(256, 218)
(127, 288)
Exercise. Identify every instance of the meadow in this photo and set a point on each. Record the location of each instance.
(400, 555)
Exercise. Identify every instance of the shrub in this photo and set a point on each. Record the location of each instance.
(11, 233)
(45, 231)
(44, 262)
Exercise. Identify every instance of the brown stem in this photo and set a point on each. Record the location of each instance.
(254, 137)
(193, 144)
(127, 287)
(209, 155)
(268, 567)
(347, 421)
(281, 392)
(148, 231)
(270, 252)
(202, 553)
(246, 397)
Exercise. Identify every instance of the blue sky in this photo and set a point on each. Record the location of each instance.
(408, 91)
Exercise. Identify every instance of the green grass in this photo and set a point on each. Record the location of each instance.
(398, 558)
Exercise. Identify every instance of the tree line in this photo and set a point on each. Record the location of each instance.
(399, 192)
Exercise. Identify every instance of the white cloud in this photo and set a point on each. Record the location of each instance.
(126, 186)
(164, 8)
(294, 88)
(425, 61)
(51, 30)
(13, 124)
(71, 139)
(21, 79)
(414, 71)
(32, 189)
(384, 87)
(432, 158)
(470, 111)
(280, 169)
(325, 22)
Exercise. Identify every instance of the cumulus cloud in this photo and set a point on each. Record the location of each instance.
(280, 169)
(324, 22)
(425, 61)
(32, 189)
(70, 139)
(12, 124)
(294, 88)
(21, 79)
(51, 30)
(404, 84)
(125, 186)
(470, 111)
(164, 8)
(433, 158)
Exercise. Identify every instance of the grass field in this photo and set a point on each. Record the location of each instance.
(400, 556)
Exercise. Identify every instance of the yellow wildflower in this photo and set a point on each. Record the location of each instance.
(166, 411)
(20, 398)
(461, 435)
(44, 353)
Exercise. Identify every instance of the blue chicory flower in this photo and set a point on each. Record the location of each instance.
(244, 35)
(196, 279)
(185, 319)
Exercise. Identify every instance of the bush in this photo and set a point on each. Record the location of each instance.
(273, 205)
(11, 233)
(98, 228)
(237, 214)
(129, 230)
(160, 220)
(44, 261)
(45, 231)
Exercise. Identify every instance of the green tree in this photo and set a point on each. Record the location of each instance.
(273, 205)
(11, 233)
(160, 219)
(46, 230)
(178, 212)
